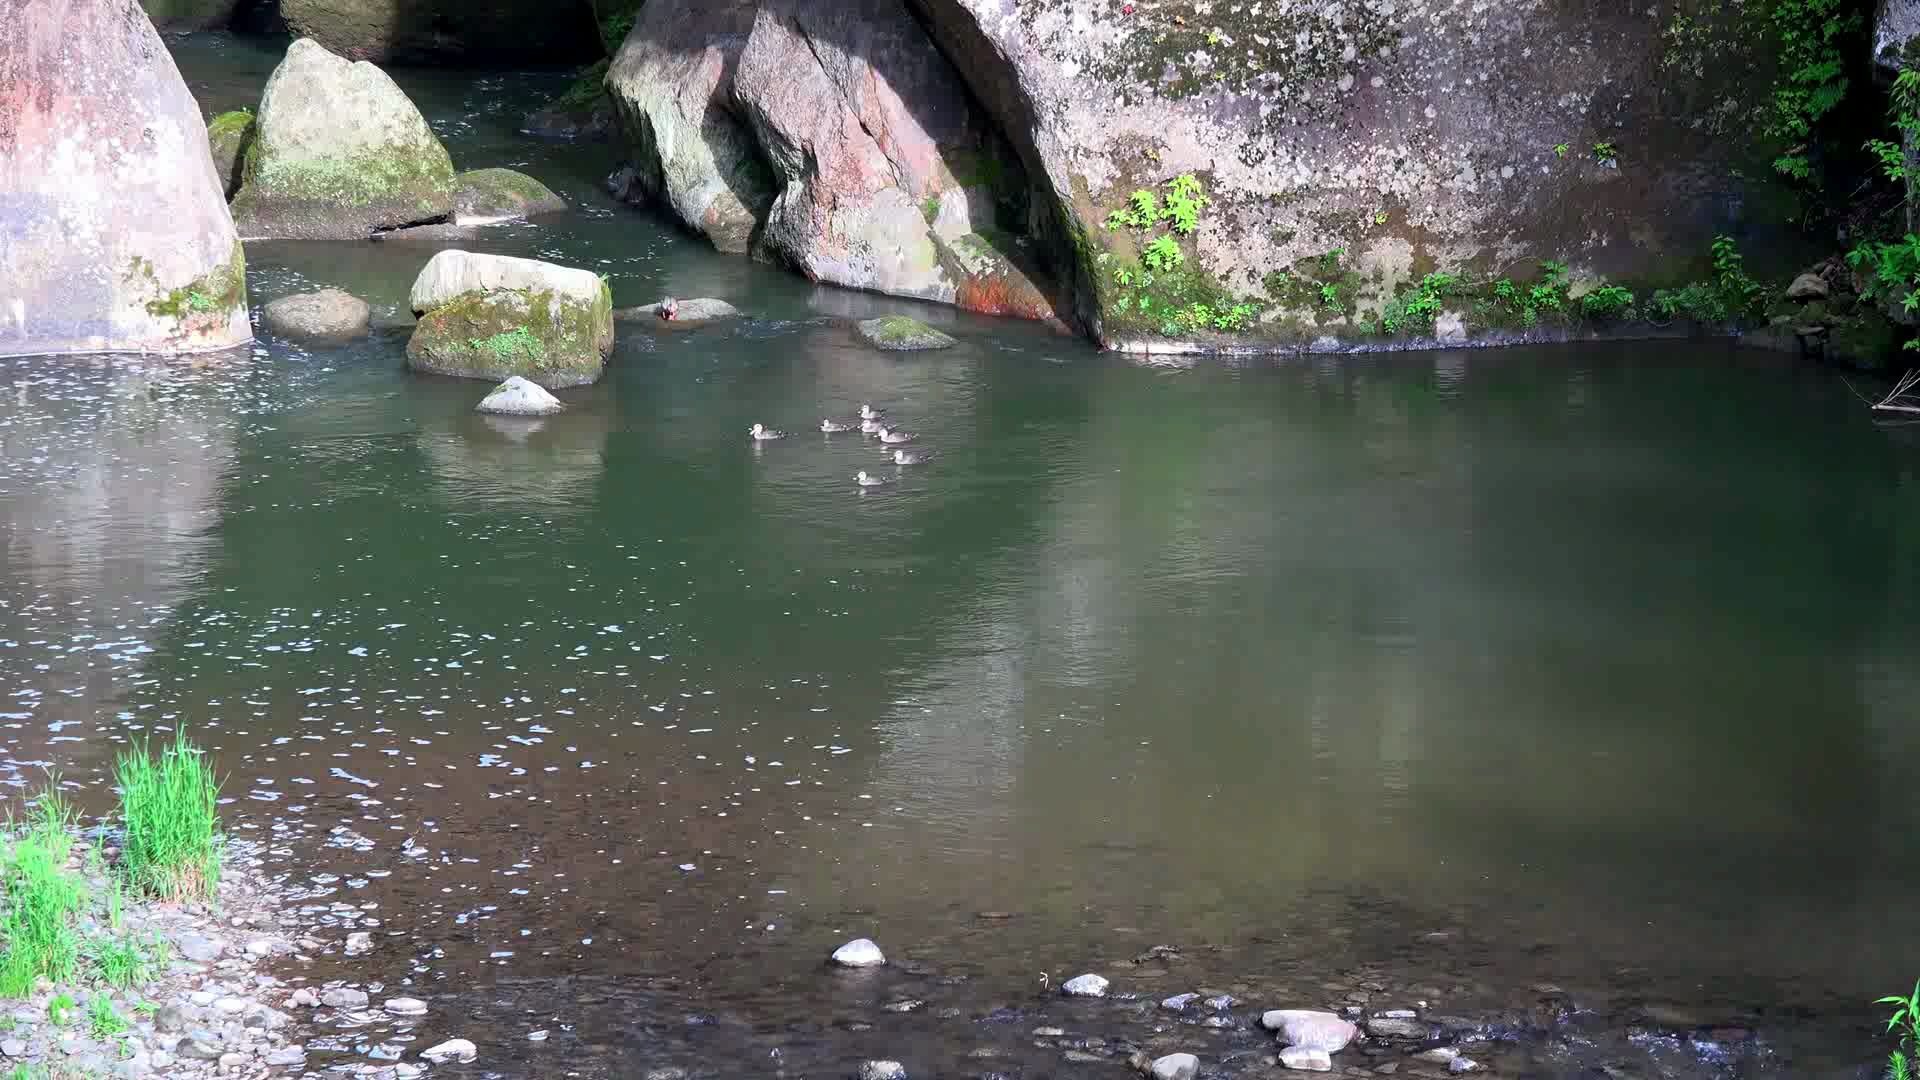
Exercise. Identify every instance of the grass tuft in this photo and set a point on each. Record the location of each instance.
(102, 1022)
(42, 898)
(172, 849)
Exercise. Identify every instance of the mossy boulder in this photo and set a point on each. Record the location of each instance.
(492, 317)
(489, 195)
(898, 333)
(228, 137)
(339, 153)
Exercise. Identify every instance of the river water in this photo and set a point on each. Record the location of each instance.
(1569, 692)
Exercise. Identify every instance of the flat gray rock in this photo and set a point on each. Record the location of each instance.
(519, 397)
(686, 312)
(897, 333)
(321, 315)
(1306, 1059)
(1176, 1067)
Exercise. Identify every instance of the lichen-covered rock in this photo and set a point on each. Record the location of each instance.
(1402, 136)
(897, 333)
(321, 315)
(113, 232)
(339, 153)
(517, 397)
(228, 137)
(1896, 23)
(190, 14)
(443, 30)
(830, 136)
(489, 195)
(492, 316)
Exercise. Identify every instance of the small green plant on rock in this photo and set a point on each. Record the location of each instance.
(102, 1022)
(60, 1010)
(1607, 302)
(1562, 149)
(1417, 308)
(1163, 254)
(1904, 107)
(1604, 152)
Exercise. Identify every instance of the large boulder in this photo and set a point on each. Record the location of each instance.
(442, 30)
(1385, 138)
(493, 316)
(831, 136)
(114, 235)
(339, 153)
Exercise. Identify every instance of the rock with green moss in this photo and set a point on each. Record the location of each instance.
(228, 137)
(490, 195)
(898, 333)
(114, 236)
(493, 316)
(339, 153)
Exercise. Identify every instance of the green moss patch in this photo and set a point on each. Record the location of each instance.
(213, 295)
(534, 334)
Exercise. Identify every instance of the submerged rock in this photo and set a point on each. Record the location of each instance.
(493, 316)
(488, 195)
(322, 315)
(882, 1070)
(1085, 986)
(1310, 1029)
(685, 312)
(451, 1050)
(114, 233)
(1388, 1027)
(1175, 1067)
(898, 333)
(340, 153)
(518, 397)
(859, 953)
(229, 136)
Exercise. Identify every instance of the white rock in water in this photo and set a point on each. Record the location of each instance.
(451, 1050)
(1310, 1029)
(1178, 1002)
(359, 942)
(519, 397)
(1084, 986)
(1306, 1059)
(406, 1006)
(882, 1070)
(1176, 1067)
(859, 953)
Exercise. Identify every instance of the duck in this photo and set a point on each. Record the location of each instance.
(832, 426)
(761, 433)
(866, 479)
(869, 427)
(889, 436)
(911, 457)
(868, 412)
(669, 309)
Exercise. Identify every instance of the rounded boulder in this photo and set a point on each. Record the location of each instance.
(322, 315)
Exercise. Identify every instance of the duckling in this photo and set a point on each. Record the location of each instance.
(762, 433)
(890, 436)
(869, 427)
(867, 480)
(832, 426)
(868, 412)
(911, 457)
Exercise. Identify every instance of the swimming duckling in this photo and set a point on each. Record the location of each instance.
(911, 457)
(890, 436)
(869, 427)
(868, 412)
(832, 426)
(867, 480)
(762, 433)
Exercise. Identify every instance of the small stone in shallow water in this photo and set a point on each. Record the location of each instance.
(303, 998)
(451, 1050)
(882, 1070)
(859, 953)
(1389, 1028)
(537, 1036)
(1179, 1001)
(906, 1006)
(1310, 1029)
(1085, 986)
(519, 397)
(1306, 1059)
(359, 943)
(344, 997)
(1176, 1067)
(1222, 1002)
(259, 947)
(287, 1055)
(406, 1006)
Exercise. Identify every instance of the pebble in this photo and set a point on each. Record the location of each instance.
(1085, 986)
(451, 1050)
(537, 1036)
(359, 943)
(882, 1070)
(231, 1006)
(1222, 1002)
(232, 1062)
(344, 997)
(1179, 1002)
(1306, 1059)
(406, 1006)
(202, 998)
(160, 1059)
(859, 953)
(1176, 1067)
(13, 1048)
(259, 947)
(303, 998)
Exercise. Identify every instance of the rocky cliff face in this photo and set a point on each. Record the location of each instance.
(832, 137)
(114, 231)
(1284, 167)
